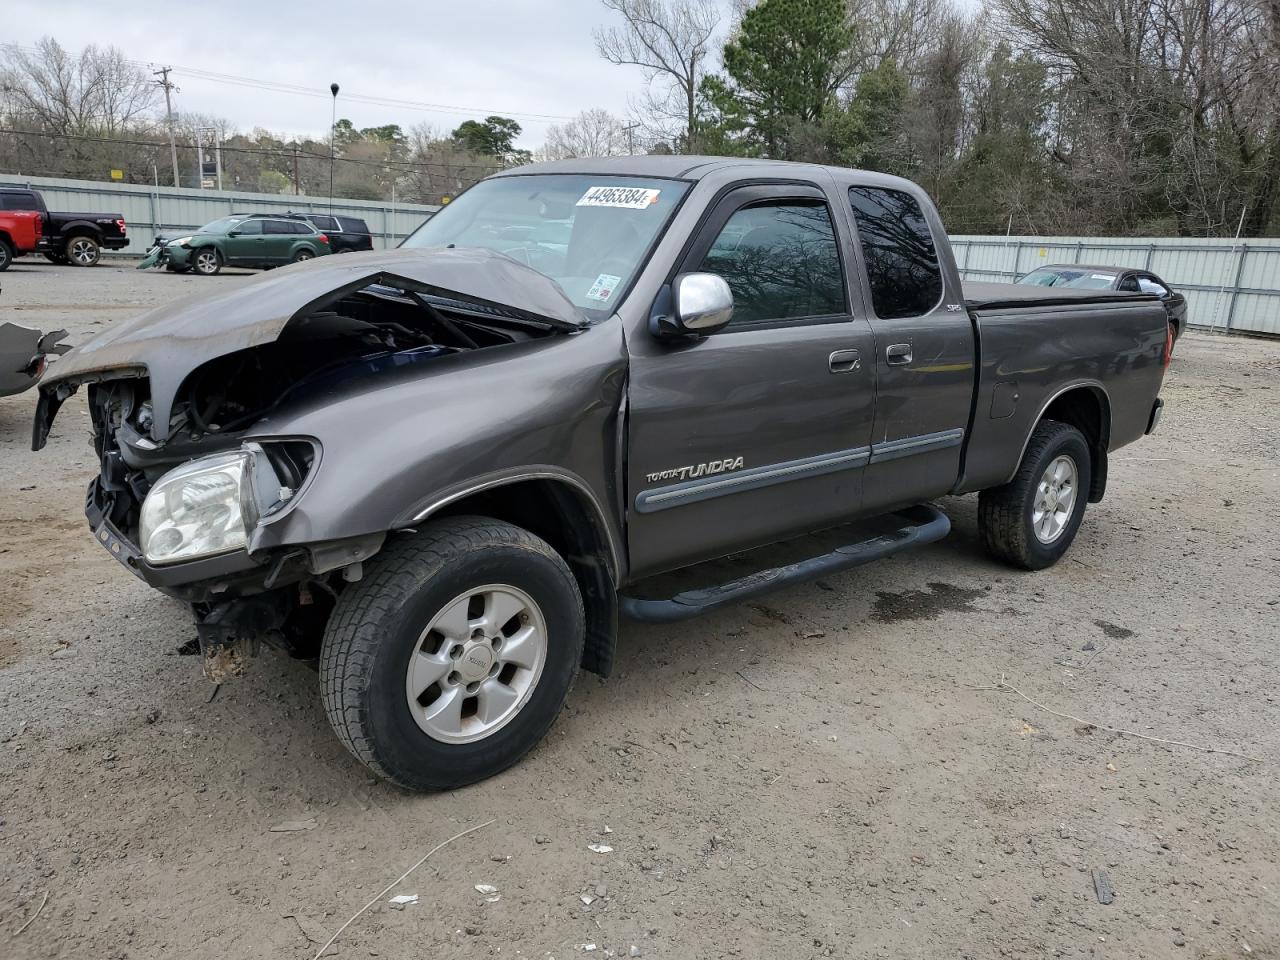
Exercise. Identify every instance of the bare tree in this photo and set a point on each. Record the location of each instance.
(592, 133)
(98, 92)
(670, 40)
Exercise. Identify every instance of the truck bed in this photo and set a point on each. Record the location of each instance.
(981, 295)
(1034, 343)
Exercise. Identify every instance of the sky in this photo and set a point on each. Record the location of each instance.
(534, 61)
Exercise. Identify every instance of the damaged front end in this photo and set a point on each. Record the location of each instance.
(25, 355)
(192, 476)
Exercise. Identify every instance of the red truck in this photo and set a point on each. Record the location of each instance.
(20, 232)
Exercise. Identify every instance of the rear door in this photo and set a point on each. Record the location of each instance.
(280, 238)
(759, 431)
(924, 350)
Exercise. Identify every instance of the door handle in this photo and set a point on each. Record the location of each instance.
(843, 361)
(897, 354)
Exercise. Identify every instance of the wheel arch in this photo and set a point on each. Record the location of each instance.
(562, 511)
(77, 228)
(1086, 406)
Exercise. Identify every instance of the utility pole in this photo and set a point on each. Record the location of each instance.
(296, 191)
(163, 74)
(333, 125)
(631, 143)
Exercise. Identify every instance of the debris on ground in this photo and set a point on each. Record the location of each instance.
(294, 826)
(402, 900)
(599, 848)
(1102, 887)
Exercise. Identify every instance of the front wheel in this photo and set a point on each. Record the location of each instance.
(206, 261)
(452, 657)
(83, 251)
(6, 255)
(1031, 520)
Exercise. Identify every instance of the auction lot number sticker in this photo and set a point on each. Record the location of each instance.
(629, 198)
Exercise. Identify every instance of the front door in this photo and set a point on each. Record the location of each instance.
(924, 351)
(760, 430)
(244, 243)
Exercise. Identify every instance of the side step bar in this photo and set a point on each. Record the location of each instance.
(921, 524)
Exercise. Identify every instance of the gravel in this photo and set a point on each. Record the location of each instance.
(870, 792)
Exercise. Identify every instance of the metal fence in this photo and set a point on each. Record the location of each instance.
(1231, 285)
(148, 210)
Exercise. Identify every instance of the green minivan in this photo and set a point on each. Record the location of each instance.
(240, 240)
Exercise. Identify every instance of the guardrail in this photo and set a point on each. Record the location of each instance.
(1231, 285)
(149, 210)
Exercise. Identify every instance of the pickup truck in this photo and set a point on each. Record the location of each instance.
(447, 470)
(74, 238)
(20, 233)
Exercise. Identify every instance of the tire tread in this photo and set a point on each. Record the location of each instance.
(353, 634)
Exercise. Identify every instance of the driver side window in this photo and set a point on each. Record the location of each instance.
(249, 228)
(780, 259)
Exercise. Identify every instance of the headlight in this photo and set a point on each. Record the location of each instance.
(207, 506)
(181, 241)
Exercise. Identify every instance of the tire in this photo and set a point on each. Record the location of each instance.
(6, 255)
(82, 251)
(303, 254)
(1008, 515)
(206, 261)
(56, 256)
(382, 644)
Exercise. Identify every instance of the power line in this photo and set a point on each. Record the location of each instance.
(287, 151)
(197, 73)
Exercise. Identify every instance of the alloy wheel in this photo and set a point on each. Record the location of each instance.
(476, 664)
(1055, 497)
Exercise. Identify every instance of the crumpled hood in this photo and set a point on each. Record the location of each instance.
(172, 340)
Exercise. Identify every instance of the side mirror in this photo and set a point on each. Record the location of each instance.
(700, 303)
(233, 233)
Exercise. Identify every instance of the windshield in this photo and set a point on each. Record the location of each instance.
(590, 234)
(221, 225)
(1080, 279)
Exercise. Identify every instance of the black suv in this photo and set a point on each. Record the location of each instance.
(346, 234)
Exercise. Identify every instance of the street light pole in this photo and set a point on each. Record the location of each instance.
(333, 126)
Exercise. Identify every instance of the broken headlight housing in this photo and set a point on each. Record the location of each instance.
(208, 506)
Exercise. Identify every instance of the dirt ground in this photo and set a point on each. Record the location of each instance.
(830, 772)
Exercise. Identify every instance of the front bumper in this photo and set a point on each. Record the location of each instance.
(174, 255)
(193, 580)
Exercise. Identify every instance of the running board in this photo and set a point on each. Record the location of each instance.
(921, 524)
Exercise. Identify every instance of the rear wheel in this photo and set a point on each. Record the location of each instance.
(1031, 520)
(303, 254)
(206, 261)
(83, 251)
(6, 254)
(454, 654)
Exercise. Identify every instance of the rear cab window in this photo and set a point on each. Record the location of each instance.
(898, 251)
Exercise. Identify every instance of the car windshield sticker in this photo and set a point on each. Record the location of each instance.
(629, 198)
(603, 288)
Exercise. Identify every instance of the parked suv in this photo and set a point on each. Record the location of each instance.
(240, 240)
(346, 234)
